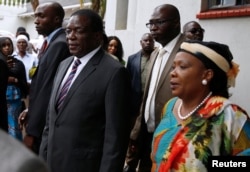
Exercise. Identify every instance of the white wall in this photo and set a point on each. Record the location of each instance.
(8, 18)
(231, 31)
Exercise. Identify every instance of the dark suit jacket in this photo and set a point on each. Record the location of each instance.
(3, 87)
(134, 69)
(90, 133)
(163, 91)
(42, 82)
(15, 157)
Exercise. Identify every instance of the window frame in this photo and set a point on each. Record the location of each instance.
(219, 9)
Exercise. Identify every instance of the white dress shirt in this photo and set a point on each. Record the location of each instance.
(157, 70)
(84, 60)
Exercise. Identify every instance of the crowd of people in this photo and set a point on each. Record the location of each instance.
(76, 104)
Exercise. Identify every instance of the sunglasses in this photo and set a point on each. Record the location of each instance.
(197, 30)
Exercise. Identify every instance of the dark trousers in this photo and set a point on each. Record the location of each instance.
(36, 145)
(141, 152)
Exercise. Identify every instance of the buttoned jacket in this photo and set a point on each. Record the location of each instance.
(90, 132)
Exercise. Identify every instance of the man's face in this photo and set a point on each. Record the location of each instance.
(81, 39)
(194, 32)
(46, 20)
(162, 26)
(147, 43)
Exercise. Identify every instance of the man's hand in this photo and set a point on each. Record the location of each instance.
(22, 119)
(133, 148)
(28, 141)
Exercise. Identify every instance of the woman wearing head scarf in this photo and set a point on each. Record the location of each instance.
(17, 86)
(200, 121)
(29, 60)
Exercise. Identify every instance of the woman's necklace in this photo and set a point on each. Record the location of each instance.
(195, 109)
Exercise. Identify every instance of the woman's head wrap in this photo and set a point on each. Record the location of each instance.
(218, 54)
(22, 37)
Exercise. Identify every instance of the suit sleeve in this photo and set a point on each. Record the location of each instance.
(44, 143)
(38, 107)
(45, 133)
(117, 122)
(3, 87)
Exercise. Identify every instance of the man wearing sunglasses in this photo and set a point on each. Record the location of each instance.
(193, 31)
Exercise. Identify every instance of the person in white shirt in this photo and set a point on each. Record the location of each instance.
(29, 60)
(164, 25)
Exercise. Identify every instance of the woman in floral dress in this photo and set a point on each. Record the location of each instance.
(200, 121)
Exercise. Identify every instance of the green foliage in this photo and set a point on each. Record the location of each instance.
(99, 6)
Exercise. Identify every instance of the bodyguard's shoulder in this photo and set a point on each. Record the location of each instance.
(16, 157)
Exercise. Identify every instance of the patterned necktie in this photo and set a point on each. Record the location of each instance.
(67, 84)
(43, 48)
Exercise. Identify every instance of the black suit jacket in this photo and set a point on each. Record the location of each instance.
(90, 133)
(3, 87)
(134, 69)
(42, 82)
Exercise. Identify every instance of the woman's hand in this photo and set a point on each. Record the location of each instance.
(10, 62)
(12, 79)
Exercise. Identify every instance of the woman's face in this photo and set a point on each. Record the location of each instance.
(186, 75)
(7, 47)
(22, 45)
(112, 47)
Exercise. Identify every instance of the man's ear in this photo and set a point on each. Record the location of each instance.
(99, 36)
(57, 19)
(176, 24)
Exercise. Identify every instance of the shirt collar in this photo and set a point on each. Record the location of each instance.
(170, 46)
(50, 36)
(87, 57)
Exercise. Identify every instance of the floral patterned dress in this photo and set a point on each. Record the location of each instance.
(217, 128)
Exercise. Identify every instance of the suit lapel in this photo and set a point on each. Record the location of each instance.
(138, 62)
(44, 54)
(152, 59)
(60, 75)
(83, 75)
(167, 68)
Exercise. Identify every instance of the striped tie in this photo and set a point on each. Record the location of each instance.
(67, 84)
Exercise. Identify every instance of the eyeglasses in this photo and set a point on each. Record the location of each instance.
(157, 23)
(197, 30)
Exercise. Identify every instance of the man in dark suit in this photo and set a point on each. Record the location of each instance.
(48, 20)
(87, 122)
(164, 26)
(15, 157)
(137, 68)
